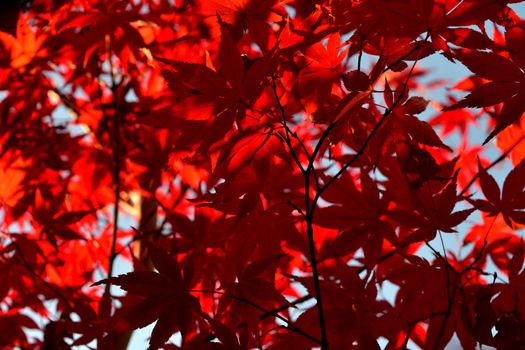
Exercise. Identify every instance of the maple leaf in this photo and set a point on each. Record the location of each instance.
(11, 177)
(509, 200)
(103, 22)
(467, 163)
(499, 240)
(322, 70)
(163, 298)
(359, 214)
(435, 213)
(26, 47)
(507, 303)
(245, 15)
(506, 86)
(452, 120)
(511, 140)
(231, 89)
(14, 324)
(348, 302)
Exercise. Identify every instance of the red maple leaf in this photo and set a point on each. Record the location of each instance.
(162, 296)
(506, 85)
(509, 201)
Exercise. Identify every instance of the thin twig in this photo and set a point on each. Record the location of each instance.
(481, 251)
(308, 214)
(286, 306)
(376, 127)
(46, 283)
(402, 58)
(289, 324)
(317, 148)
(289, 132)
(310, 205)
(299, 210)
(116, 166)
(310, 208)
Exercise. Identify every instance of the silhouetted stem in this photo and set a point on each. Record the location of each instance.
(116, 168)
(313, 260)
(286, 306)
(309, 210)
(310, 204)
(289, 324)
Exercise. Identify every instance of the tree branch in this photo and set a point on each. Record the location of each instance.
(289, 132)
(310, 205)
(116, 167)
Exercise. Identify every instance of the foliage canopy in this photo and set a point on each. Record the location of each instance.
(275, 174)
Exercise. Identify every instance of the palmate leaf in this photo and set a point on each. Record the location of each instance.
(163, 298)
(510, 201)
(507, 81)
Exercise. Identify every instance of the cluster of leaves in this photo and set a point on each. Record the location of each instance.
(245, 157)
